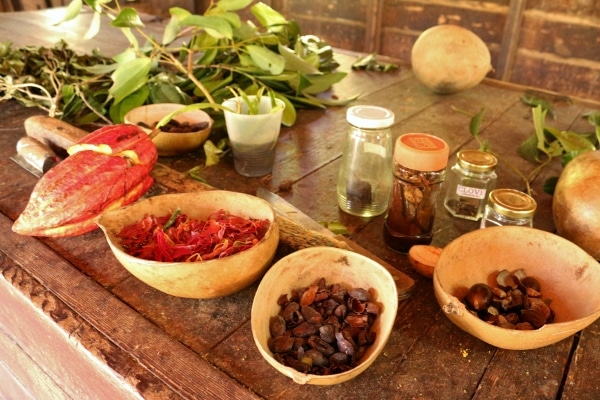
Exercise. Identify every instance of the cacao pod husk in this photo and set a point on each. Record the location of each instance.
(68, 197)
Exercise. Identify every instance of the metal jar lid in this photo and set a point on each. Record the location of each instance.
(476, 160)
(512, 203)
(370, 117)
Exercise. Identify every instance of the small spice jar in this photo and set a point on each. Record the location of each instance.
(365, 175)
(419, 169)
(469, 182)
(508, 207)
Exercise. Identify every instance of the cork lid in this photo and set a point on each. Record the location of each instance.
(370, 117)
(421, 152)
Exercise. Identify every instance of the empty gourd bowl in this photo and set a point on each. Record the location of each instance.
(568, 277)
(181, 139)
(196, 279)
(336, 266)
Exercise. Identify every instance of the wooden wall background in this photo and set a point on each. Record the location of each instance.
(548, 44)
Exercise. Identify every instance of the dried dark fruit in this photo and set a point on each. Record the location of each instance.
(516, 303)
(323, 329)
(479, 297)
(277, 326)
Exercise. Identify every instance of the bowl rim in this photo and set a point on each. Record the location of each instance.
(115, 243)
(457, 312)
(202, 116)
(364, 363)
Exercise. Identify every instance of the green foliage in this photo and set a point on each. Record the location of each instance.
(545, 143)
(197, 59)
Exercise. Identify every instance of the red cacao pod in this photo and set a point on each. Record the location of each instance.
(67, 198)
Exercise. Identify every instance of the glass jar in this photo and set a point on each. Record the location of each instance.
(508, 207)
(469, 182)
(419, 169)
(365, 175)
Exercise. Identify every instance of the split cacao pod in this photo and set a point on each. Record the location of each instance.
(68, 197)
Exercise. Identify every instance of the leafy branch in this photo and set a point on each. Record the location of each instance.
(200, 57)
(545, 144)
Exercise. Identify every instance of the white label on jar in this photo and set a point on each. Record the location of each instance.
(474, 193)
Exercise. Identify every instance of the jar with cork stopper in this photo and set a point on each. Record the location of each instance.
(420, 162)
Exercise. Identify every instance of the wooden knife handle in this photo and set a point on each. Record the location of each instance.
(53, 132)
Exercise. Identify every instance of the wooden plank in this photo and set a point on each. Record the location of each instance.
(14, 362)
(49, 364)
(510, 39)
(22, 377)
(177, 366)
(581, 382)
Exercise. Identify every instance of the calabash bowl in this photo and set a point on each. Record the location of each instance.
(304, 267)
(568, 276)
(171, 143)
(203, 279)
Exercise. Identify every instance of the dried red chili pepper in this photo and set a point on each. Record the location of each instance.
(187, 239)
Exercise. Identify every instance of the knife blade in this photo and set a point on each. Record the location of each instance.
(45, 144)
(284, 209)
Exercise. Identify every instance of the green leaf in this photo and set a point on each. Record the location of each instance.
(208, 57)
(232, 5)
(100, 69)
(127, 18)
(129, 77)
(336, 227)
(475, 124)
(529, 149)
(233, 19)
(136, 99)
(72, 11)
(295, 63)
(214, 25)
(266, 59)
(539, 117)
(572, 141)
(171, 30)
(212, 152)
(179, 13)
(321, 83)
(166, 92)
(289, 112)
(94, 27)
(96, 5)
(536, 102)
(550, 184)
(266, 16)
(593, 118)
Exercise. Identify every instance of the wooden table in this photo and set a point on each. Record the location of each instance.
(75, 324)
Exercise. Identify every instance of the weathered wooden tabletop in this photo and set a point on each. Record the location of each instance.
(75, 324)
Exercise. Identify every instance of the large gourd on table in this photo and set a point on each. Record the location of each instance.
(107, 169)
(449, 59)
(576, 202)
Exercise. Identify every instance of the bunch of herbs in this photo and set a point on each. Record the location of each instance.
(197, 60)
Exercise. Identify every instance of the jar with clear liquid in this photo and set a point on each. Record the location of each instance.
(365, 176)
(469, 182)
(419, 169)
